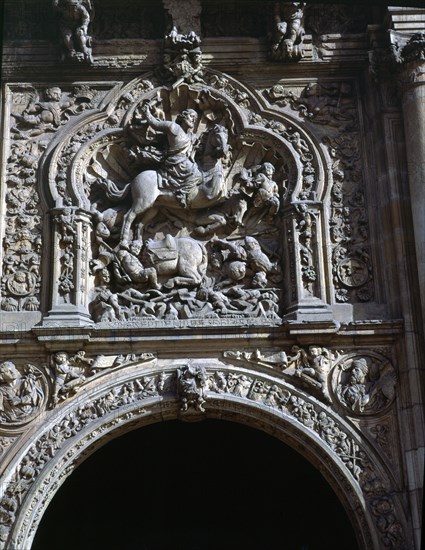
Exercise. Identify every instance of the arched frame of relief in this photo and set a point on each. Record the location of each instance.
(161, 390)
(95, 144)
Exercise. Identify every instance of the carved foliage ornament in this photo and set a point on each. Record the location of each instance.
(362, 384)
(197, 257)
(333, 105)
(194, 385)
(35, 117)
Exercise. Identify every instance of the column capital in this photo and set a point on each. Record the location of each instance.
(413, 60)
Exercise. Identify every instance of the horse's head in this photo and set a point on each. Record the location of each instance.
(217, 142)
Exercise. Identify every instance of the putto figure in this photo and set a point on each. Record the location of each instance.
(74, 20)
(288, 32)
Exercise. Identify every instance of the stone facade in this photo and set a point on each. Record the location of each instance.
(214, 212)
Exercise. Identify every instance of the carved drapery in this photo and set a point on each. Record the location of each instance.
(258, 227)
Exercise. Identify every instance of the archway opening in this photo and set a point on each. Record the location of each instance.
(195, 486)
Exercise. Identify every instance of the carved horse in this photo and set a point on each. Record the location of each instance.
(183, 258)
(148, 193)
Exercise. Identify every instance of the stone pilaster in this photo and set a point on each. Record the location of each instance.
(413, 104)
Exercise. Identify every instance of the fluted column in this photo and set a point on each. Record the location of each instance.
(413, 104)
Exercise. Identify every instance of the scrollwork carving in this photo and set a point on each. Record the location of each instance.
(36, 116)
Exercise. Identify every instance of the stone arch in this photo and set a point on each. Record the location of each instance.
(140, 394)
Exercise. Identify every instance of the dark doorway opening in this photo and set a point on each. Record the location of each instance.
(212, 485)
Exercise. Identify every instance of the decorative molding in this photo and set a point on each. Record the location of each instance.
(196, 386)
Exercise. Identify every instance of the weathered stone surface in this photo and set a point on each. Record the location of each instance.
(209, 215)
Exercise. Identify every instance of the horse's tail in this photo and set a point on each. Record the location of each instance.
(202, 267)
(113, 192)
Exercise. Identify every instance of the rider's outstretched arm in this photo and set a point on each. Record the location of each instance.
(161, 125)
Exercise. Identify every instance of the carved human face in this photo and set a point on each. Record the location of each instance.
(8, 372)
(268, 169)
(189, 118)
(237, 270)
(61, 358)
(358, 375)
(136, 247)
(54, 94)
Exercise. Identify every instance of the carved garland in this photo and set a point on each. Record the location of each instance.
(36, 116)
(195, 386)
(333, 106)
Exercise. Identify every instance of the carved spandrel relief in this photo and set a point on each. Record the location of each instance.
(310, 368)
(365, 385)
(362, 384)
(71, 371)
(23, 394)
(36, 115)
(333, 107)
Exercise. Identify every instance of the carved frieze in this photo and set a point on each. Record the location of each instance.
(71, 372)
(363, 384)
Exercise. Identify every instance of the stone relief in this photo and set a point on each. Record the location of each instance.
(365, 385)
(286, 41)
(400, 60)
(23, 394)
(309, 368)
(176, 242)
(35, 117)
(70, 372)
(181, 59)
(333, 106)
(335, 19)
(74, 17)
(362, 385)
(194, 385)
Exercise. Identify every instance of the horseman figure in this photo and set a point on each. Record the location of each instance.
(175, 179)
(179, 171)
